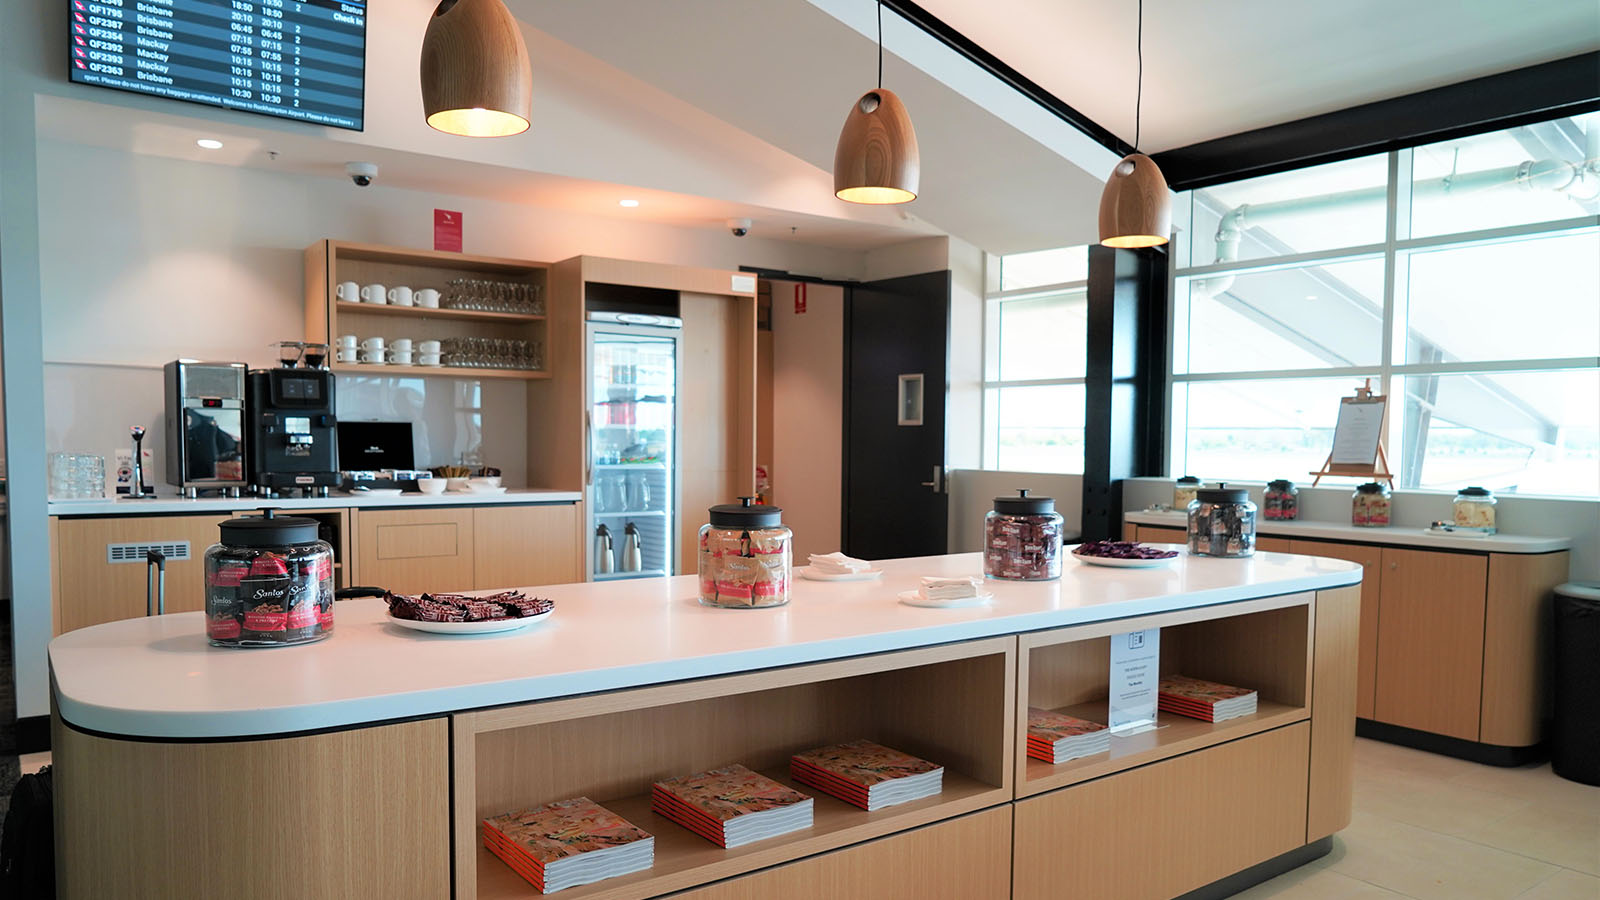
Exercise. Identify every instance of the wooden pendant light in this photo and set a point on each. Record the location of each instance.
(876, 160)
(1135, 207)
(477, 80)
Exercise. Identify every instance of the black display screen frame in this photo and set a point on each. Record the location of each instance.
(223, 102)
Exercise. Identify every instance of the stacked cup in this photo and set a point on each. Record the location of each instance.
(348, 349)
(427, 353)
(400, 351)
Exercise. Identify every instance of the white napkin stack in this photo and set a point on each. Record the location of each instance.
(837, 563)
(944, 589)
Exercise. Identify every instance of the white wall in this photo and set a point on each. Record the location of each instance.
(808, 414)
(973, 491)
(1534, 516)
(964, 377)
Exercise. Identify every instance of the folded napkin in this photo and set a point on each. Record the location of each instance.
(837, 563)
(963, 588)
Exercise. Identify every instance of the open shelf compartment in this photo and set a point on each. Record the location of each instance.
(954, 705)
(1263, 645)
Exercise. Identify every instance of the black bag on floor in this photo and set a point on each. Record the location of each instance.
(27, 842)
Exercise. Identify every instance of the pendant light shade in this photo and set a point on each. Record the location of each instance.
(1135, 208)
(876, 160)
(476, 77)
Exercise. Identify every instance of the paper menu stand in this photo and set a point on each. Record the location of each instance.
(1135, 676)
(1358, 438)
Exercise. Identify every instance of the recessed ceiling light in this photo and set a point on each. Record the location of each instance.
(209, 144)
(628, 203)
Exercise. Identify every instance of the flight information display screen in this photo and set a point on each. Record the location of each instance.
(299, 59)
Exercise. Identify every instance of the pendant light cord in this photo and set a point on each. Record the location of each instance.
(1138, 97)
(880, 43)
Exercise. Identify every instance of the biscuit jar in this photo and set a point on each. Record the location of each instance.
(1022, 539)
(269, 583)
(746, 556)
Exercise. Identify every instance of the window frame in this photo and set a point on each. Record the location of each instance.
(993, 300)
(1395, 253)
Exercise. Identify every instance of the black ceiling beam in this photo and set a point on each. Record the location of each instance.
(992, 64)
(1565, 87)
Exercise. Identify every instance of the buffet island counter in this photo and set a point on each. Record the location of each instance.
(362, 766)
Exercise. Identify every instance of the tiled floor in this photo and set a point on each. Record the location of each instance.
(1431, 827)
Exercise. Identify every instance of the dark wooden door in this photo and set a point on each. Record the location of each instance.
(896, 342)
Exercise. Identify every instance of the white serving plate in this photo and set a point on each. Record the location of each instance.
(491, 627)
(913, 598)
(806, 573)
(484, 489)
(376, 492)
(1115, 563)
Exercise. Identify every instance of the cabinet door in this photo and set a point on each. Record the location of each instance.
(1371, 560)
(1156, 535)
(91, 590)
(969, 857)
(413, 550)
(523, 546)
(1161, 830)
(1430, 641)
(1273, 545)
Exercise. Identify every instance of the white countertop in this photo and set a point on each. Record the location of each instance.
(157, 677)
(1393, 534)
(335, 500)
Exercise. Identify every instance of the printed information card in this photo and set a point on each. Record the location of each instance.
(1135, 677)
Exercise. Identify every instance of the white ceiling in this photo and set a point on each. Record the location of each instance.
(1217, 68)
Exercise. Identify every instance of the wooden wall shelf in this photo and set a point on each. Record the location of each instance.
(390, 371)
(389, 309)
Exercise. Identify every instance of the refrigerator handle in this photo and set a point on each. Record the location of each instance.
(588, 448)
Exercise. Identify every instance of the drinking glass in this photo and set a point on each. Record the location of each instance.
(77, 476)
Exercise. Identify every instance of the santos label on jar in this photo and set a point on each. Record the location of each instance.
(268, 583)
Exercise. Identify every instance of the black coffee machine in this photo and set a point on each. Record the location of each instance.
(293, 441)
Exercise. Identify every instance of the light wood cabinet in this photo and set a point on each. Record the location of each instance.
(414, 550)
(1371, 560)
(1152, 535)
(1430, 641)
(90, 589)
(519, 546)
(1164, 829)
(967, 857)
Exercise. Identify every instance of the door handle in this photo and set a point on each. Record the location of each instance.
(938, 480)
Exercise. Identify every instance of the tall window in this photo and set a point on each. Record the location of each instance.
(1462, 278)
(1036, 334)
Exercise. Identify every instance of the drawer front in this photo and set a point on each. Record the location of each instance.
(1158, 831)
(969, 857)
(415, 550)
(89, 590)
(523, 546)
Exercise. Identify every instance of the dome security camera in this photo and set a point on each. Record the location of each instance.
(362, 173)
(739, 227)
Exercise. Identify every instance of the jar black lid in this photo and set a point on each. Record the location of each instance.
(1475, 492)
(1023, 505)
(1188, 480)
(1222, 494)
(1280, 484)
(745, 514)
(269, 530)
(1371, 487)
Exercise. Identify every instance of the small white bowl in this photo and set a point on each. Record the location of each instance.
(456, 484)
(431, 485)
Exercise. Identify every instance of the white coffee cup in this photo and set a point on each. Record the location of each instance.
(372, 345)
(428, 359)
(428, 347)
(349, 340)
(371, 358)
(347, 355)
(400, 296)
(401, 344)
(399, 357)
(375, 293)
(428, 298)
(350, 292)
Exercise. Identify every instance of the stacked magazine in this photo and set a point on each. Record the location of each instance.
(1057, 737)
(867, 775)
(731, 806)
(1205, 700)
(569, 843)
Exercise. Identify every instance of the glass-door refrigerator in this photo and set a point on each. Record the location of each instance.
(633, 444)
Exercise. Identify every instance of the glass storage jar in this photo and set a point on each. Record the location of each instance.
(1022, 539)
(1222, 522)
(1281, 501)
(1370, 504)
(1474, 508)
(746, 556)
(269, 583)
(1183, 492)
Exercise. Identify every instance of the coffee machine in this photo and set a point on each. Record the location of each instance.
(293, 438)
(206, 441)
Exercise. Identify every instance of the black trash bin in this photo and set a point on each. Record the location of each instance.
(1575, 732)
